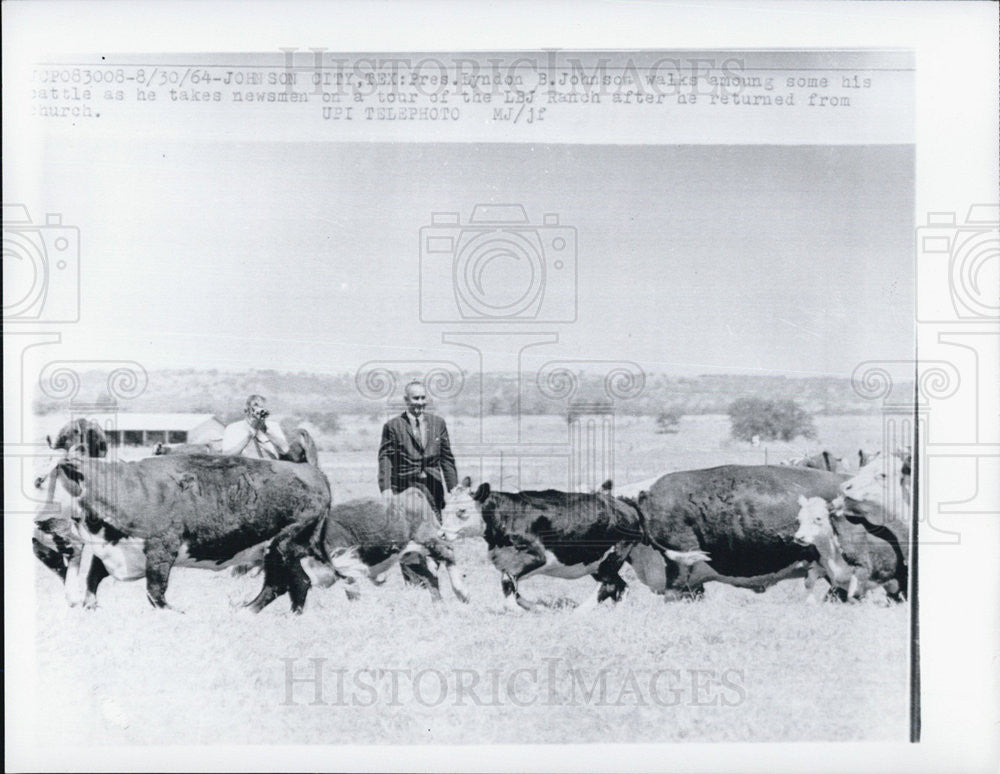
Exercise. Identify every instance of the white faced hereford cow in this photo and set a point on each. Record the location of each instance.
(141, 519)
(52, 542)
(885, 480)
(562, 534)
(743, 515)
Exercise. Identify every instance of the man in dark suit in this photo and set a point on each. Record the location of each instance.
(415, 450)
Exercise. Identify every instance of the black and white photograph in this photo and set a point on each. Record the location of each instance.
(474, 403)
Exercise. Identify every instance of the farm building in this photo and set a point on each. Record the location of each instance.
(128, 429)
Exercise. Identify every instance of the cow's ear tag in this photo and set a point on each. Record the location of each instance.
(482, 493)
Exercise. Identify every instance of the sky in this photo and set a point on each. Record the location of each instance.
(307, 256)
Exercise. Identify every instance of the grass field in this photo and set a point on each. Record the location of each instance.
(733, 667)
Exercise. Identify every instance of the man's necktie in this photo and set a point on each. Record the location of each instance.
(420, 432)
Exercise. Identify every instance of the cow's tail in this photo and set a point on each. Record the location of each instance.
(686, 558)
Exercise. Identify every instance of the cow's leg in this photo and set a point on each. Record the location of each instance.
(613, 589)
(511, 599)
(268, 593)
(515, 561)
(421, 574)
(95, 575)
(814, 574)
(612, 585)
(50, 557)
(76, 575)
(457, 578)
(836, 594)
(351, 590)
(160, 556)
(649, 566)
(298, 589)
(893, 590)
(445, 555)
(702, 572)
(852, 587)
(275, 581)
(298, 585)
(414, 568)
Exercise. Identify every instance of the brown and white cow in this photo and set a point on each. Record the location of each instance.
(141, 519)
(560, 534)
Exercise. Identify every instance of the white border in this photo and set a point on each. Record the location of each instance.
(955, 44)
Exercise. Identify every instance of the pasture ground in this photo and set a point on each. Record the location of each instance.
(733, 667)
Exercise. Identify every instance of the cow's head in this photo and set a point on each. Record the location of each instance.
(463, 510)
(814, 521)
(81, 437)
(302, 448)
(882, 480)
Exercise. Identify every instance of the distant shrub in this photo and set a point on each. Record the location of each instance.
(669, 420)
(770, 420)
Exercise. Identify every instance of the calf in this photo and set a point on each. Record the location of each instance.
(562, 534)
(357, 538)
(53, 542)
(855, 556)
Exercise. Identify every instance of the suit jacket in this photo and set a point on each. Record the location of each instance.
(402, 458)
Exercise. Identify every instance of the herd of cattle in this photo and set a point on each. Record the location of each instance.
(748, 526)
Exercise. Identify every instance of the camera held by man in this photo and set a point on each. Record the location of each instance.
(253, 436)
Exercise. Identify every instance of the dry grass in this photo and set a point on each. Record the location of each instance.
(733, 667)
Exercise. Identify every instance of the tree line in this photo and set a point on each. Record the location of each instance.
(663, 396)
